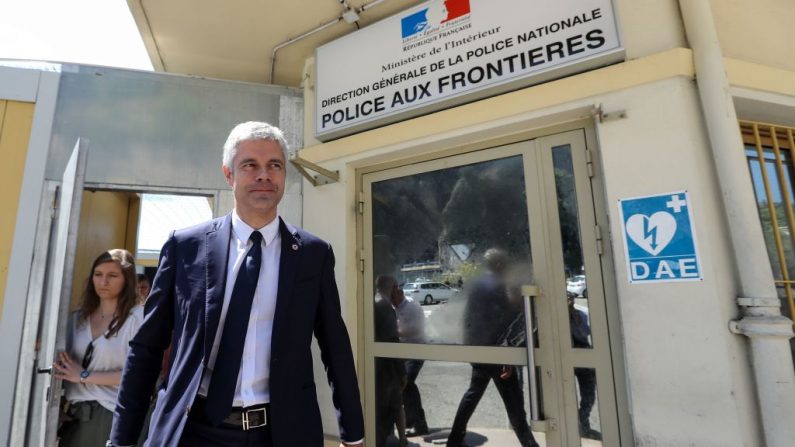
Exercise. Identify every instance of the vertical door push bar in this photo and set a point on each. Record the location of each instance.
(528, 293)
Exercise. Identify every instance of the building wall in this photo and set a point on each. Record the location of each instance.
(16, 120)
(19, 228)
(650, 26)
(685, 369)
(688, 378)
(140, 125)
(758, 31)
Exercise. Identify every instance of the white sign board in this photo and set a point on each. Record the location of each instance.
(445, 53)
(659, 238)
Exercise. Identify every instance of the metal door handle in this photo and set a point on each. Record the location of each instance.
(44, 370)
(528, 293)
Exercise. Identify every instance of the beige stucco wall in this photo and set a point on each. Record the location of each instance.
(650, 26)
(685, 369)
(758, 31)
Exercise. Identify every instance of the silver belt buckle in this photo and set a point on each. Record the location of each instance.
(247, 425)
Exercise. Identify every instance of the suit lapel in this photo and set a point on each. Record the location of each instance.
(288, 267)
(217, 257)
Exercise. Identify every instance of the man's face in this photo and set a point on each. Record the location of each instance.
(257, 180)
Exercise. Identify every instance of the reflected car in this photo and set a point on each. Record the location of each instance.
(429, 292)
(576, 286)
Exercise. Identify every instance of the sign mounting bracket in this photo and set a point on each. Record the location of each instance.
(323, 176)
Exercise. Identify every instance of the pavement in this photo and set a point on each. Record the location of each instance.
(477, 437)
(442, 384)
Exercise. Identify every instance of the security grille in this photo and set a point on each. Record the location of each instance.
(768, 149)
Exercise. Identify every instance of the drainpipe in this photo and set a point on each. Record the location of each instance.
(767, 330)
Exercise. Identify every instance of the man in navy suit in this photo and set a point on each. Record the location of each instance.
(238, 299)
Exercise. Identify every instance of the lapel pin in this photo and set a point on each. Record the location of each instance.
(295, 246)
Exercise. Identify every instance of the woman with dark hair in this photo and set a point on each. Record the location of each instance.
(98, 335)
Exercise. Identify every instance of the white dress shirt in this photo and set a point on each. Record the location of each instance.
(252, 380)
(109, 355)
(411, 321)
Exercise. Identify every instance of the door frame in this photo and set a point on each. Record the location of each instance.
(591, 240)
(368, 349)
(27, 393)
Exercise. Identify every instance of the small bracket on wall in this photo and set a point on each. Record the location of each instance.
(323, 176)
(604, 117)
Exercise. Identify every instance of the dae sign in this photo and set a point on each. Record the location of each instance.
(660, 238)
(445, 53)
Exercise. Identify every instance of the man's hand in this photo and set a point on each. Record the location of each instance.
(507, 372)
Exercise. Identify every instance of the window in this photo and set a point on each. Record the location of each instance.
(768, 149)
(161, 214)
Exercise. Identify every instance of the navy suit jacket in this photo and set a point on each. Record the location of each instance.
(184, 308)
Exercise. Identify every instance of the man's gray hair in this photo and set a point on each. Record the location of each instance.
(252, 130)
(496, 259)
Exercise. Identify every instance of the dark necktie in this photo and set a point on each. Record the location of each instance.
(230, 351)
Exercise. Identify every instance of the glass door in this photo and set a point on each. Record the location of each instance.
(447, 246)
(574, 304)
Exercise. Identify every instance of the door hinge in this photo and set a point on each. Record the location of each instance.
(544, 425)
(360, 205)
(599, 247)
(361, 261)
(589, 162)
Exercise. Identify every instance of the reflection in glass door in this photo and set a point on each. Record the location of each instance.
(432, 230)
(448, 245)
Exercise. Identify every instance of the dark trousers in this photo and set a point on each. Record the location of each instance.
(412, 402)
(511, 393)
(387, 409)
(199, 433)
(586, 379)
(89, 426)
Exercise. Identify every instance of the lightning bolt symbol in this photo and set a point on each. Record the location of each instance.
(650, 232)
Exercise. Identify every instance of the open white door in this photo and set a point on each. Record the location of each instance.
(45, 392)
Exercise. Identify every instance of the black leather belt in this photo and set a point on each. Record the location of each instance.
(247, 418)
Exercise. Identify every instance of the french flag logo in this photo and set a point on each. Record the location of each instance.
(456, 9)
(433, 16)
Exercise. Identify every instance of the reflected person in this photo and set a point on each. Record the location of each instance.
(487, 315)
(586, 377)
(390, 374)
(411, 329)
